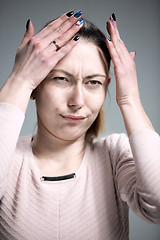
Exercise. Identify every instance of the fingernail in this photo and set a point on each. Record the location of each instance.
(69, 14)
(113, 16)
(78, 14)
(76, 38)
(79, 22)
(109, 38)
(27, 24)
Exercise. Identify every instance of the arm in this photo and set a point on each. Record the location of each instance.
(138, 179)
(136, 170)
(11, 120)
(35, 58)
(127, 93)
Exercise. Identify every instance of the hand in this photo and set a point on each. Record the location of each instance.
(127, 93)
(38, 55)
(124, 67)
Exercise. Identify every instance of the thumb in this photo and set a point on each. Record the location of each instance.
(28, 34)
(133, 54)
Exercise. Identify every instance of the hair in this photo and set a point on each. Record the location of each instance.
(92, 33)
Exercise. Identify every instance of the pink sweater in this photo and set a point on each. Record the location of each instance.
(94, 204)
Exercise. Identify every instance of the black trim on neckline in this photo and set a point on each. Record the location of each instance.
(58, 178)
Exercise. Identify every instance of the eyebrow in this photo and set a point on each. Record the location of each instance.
(87, 77)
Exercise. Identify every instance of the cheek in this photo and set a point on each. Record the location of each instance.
(49, 98)
(96, 102)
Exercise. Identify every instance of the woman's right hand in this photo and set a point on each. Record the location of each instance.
(38, 55)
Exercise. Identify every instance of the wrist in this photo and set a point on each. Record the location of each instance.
(16, 80)
(135, 118)
(16, 92)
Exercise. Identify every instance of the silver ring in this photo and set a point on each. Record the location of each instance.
(56, 45)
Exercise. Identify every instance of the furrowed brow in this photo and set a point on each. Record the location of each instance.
(87, 77)
(62, 71)
(96, 75)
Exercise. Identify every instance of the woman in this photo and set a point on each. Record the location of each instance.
(63, 183)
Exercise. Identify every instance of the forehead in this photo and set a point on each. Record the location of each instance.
(86, 57)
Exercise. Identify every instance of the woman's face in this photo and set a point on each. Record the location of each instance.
(69, 99)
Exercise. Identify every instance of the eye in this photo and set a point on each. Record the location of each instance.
(94, 83)
(60, 78)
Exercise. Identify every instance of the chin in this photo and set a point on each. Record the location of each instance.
(69, 136)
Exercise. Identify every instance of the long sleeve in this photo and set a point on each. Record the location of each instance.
(11, 120)
(139, 180)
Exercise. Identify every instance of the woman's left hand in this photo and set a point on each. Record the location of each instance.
(124, 67)
(127, 92)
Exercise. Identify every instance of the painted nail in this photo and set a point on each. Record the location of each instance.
(109, 38)
(76, 38)
(79, 22)
(78, 14)
(113, 16)
(27, 24)
(69, 14)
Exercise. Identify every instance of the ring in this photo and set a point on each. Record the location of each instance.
(56, 45)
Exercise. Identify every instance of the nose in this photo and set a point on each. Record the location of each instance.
(76, 98)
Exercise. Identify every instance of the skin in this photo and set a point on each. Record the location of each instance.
(77, 81)
(36, 57)
(67, 96)
(60, 152)
(127, 92)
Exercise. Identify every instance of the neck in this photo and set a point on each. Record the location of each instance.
(56, 156)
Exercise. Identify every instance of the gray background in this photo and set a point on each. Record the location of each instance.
(138, 22)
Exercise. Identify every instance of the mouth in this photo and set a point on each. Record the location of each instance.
(73, 118)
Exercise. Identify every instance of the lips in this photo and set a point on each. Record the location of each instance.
(73, 118)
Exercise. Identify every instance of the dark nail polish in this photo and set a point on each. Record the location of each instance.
(69, 14)
(76, 38)
(109, 38)
(113, 16)
(79, 22)
(27, 24)
(78, 14)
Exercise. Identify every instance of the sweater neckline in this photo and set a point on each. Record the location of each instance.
(38, 174)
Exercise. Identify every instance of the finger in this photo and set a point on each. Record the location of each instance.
(122, 45)
(117, 42)
(28, 34)
(120, 42)
(133, 54)
(114, 24)
(55, 25)
(55, 45)
(58, 29)
(68, 34)
(64, 32)
(113, 53)
(56, 57)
